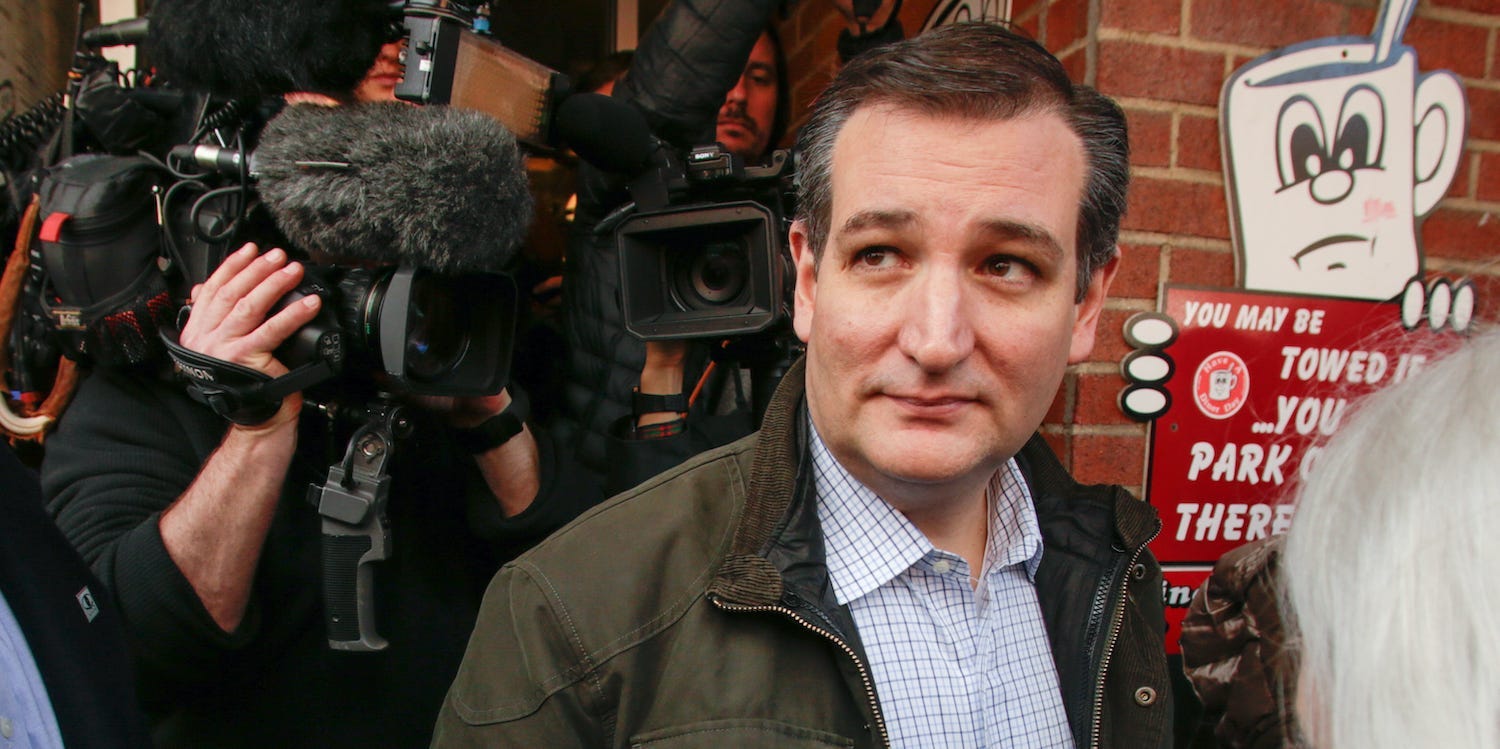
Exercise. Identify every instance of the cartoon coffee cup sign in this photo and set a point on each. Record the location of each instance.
(1334, 149)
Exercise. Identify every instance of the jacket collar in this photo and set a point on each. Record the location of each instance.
(778, 532)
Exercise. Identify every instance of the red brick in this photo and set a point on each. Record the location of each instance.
(1258, 23)
(1459, 187)
(1139, 275)
(1155, 72)
(1489, 177)
(1030, 27)
(1461, 235)
(1484, 113)
(1202, 268)
(1159, 16)
(1059, 413)
(1198, 143)
(1076, 63)
(1362, 19)
(1175, 207)
(1150, 137)
(1109, 337)
(1477, 6)
(1067, 22)
(1109, 459)
(1099, 400)
(1448, 46)
(1027, 10)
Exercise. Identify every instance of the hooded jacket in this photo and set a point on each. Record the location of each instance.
(697, 610)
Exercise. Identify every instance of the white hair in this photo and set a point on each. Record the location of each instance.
(1392, 565)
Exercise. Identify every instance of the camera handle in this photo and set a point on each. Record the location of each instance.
(356, 531)
(768, 355)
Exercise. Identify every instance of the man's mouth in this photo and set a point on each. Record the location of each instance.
(746, 125)
(931, 404)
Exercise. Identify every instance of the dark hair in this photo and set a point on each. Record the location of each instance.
(783, 93)
(980, 71)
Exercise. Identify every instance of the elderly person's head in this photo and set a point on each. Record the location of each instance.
(1390, 566)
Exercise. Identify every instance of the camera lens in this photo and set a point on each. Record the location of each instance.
(437, 336)
(715, 276)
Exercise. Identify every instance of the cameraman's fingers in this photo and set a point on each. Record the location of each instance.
(228, 269)
(283, 324)
(251, 309)
(225, 306)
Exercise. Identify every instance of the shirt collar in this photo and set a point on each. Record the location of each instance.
(868, 542)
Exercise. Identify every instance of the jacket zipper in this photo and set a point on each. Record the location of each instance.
(864, 673)
(1117, 620)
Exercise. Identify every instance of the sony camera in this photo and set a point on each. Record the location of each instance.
(712, 261)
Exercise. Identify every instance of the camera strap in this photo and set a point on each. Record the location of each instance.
(238, 393)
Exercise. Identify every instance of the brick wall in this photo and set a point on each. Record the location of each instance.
(1165, 62)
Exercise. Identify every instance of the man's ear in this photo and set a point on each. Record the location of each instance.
(807, 279)
(1086, 321)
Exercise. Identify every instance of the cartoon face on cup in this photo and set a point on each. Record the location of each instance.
(1331, 157)
(1221, 384)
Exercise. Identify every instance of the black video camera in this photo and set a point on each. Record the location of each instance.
(705, 255)
(432, 334)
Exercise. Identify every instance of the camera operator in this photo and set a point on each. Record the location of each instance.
(706, 70)
(690, 403)
(204, 533)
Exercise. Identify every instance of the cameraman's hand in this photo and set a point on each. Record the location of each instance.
(466, 411)
(662, 374)
(512, 470)
(228, 320)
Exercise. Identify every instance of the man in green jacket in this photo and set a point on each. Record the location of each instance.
(895, 559)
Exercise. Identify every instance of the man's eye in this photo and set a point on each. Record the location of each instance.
(875, 257)
(763, 79)
(1007, 268)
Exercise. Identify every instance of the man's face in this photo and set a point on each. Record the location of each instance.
(750, 107)
(380, 83)
(941, 316)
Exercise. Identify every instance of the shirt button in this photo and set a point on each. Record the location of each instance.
(7, 729)
(1145, 696)
(941, 566)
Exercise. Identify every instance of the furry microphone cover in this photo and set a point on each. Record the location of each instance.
(246, 48)
(435, 187)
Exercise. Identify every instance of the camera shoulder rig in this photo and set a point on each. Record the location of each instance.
(240, 394)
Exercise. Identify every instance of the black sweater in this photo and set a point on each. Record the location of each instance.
(126, 448)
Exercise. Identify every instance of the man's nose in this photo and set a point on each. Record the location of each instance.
(738, 93)
(936, 332)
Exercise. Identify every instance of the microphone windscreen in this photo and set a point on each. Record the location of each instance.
(436, 187)
(244, 48)
(606, 132)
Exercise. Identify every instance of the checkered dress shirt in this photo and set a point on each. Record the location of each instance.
(954, 665)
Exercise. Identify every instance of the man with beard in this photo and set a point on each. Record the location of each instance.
(707, 70)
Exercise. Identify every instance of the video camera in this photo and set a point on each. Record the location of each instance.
(705, 254)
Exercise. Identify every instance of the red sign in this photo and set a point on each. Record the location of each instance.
(1177, 587)
(1253, 383)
